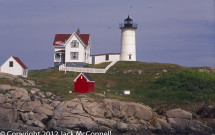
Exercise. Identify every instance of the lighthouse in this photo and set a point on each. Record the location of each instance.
(128, 42)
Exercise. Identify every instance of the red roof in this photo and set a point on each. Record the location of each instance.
(84, 38)
(20, 62)
(60, 39)
(61, 51)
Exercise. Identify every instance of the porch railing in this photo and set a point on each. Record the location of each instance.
(86, 70)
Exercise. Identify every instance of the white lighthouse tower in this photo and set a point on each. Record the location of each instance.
(128, 42)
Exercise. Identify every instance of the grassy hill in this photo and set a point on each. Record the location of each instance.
(150, 83)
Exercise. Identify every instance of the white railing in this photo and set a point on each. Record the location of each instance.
(61, 67)
(110, 65)
(86, 70)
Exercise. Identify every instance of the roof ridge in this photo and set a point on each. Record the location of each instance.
(86, 75)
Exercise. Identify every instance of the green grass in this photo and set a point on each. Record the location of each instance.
(102, 65)
(54, 81)
(148, 83)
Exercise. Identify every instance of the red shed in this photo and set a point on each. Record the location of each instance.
(83, 83)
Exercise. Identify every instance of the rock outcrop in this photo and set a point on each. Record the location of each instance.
(34, 110)
(17, 79)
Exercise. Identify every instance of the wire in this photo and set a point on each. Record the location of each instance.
(130, 6)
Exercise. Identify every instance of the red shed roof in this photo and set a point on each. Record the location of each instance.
(20, 62)
(60, 39)
(87, 76)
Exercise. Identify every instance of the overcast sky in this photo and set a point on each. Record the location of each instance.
(169, 31)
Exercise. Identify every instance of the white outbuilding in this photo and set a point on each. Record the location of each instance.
(100, 58)
(14, 66)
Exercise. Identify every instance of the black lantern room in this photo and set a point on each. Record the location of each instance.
(128, 23)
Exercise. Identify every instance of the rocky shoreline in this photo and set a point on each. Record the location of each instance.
(34, 110)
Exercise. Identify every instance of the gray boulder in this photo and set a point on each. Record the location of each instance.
(43, 110)
(179, 113)
(5, 87)
(199, 127)
(121, 127)
(35, 123)
(7, 115)
(182, 121)
(2, 99)
(31, 83)
(93, 108)
(178, 123)
(49, 94)
(162, 125)
(30, 106)
(178, 119)
(126, 110)
(20, 94)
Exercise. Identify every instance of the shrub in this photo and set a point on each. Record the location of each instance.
(186, 80)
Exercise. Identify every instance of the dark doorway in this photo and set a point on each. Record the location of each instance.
(107, 57)
(93, 60)
(129, 56)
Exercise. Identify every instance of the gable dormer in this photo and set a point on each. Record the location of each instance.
(83, 39)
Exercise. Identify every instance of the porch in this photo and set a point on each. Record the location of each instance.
(59, 57)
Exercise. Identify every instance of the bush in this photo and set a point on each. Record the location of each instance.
(186, 80)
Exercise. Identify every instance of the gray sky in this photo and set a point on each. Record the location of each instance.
(169, 31)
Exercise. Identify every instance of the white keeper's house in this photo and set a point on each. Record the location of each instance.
(73, 50)
(14, 66)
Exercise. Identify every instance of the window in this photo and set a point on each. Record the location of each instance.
(107, 57)
(74, 44)
(129, 56)
(74, 55)
(11, 64)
